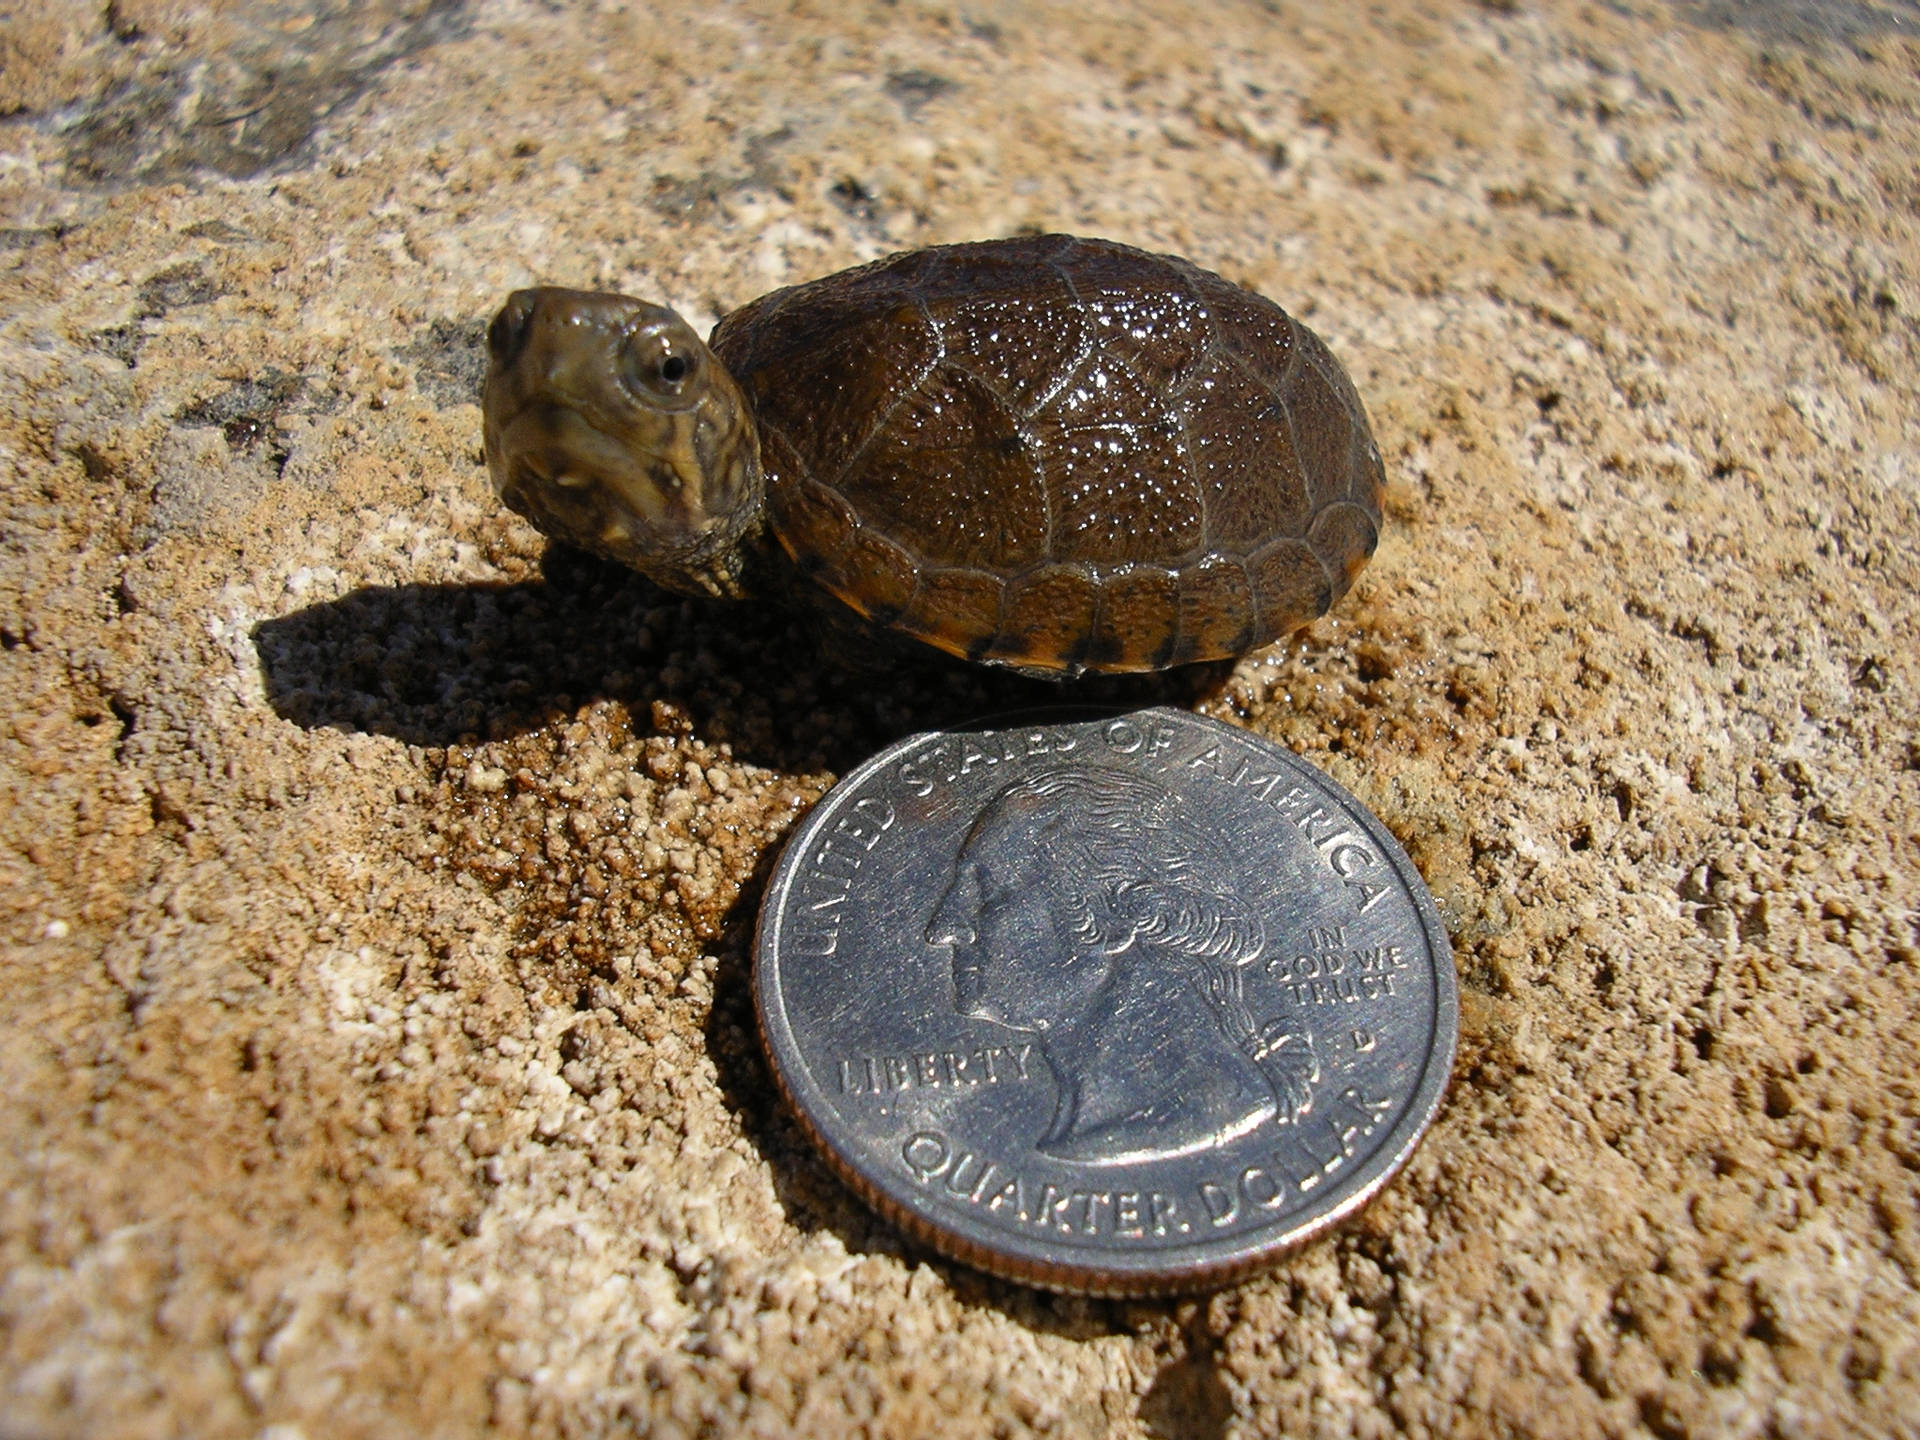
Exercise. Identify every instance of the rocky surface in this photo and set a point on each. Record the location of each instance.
(376, 888)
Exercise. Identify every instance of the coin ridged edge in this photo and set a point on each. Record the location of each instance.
(1193, 1276)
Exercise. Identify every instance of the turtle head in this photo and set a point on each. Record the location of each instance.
(611, 426)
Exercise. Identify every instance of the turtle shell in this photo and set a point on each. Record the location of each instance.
(1058, 454)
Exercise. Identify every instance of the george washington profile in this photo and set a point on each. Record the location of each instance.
(1087, 908)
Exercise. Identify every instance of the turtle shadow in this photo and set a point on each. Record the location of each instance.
(449, 664)
(446, 664)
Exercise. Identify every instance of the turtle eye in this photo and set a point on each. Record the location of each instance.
(508, 332)
(659, 365)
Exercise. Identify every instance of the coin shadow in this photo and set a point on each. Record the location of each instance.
(809, 1194)
(440, 665)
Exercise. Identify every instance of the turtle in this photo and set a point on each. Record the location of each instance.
(1050, 453)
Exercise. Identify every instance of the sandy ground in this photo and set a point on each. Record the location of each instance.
(376, 889)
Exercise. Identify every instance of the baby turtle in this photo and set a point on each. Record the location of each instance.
(1049, 453)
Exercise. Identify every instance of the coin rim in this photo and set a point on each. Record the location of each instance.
(1149, 1275)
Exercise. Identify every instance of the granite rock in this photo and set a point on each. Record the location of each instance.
(376, 886)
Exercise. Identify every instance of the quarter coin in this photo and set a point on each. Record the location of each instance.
(1116, 1004)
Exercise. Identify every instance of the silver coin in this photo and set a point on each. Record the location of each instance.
(1121, 1005)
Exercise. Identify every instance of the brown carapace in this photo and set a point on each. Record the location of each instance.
(1050, 453)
